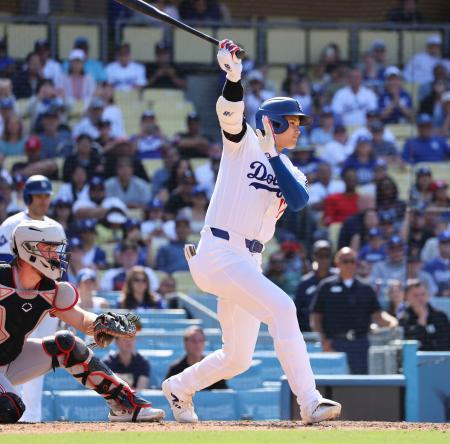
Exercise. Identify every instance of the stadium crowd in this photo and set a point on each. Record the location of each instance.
(124, 224)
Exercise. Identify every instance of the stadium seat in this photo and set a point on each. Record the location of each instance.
(68, 33)
(48, 406)
(18, 46)
(207, 300)
(279, 52)
(244, 37)
(366, 37)
(191, 49)
(320, 38)
(61, 380)
(403, 131)
(259, 404)
(329, 363)
(252, 378)
(152, 165)
(170, 324)
(142, 40)
(441, 303)
(185, 282)
(160, 361)
(79, 405)
(216, 405)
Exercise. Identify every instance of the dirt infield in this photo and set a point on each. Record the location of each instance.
(74, 427)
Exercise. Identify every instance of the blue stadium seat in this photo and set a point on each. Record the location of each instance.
(48, 406)
(160, 361)
(169, 323)
(79, 405)
(250, 379)
(329, 363)
(442, 304)
(259, 404)
(61, 380)
(219, 405)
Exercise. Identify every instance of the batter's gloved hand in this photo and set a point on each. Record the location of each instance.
(267, 140)
(228, 60)
(108, 326)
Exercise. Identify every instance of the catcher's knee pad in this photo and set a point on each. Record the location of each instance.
(11, 408)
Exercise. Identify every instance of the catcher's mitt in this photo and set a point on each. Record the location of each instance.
(111, 325)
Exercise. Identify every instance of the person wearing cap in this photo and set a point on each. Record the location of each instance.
(362, 160)
(51, 69)
(132, 190)
(124, 74)
(182, 195)
(26, 81)
(277, 272)
(395, 103)
(77, 84)
(324, 133)
(343, 309)
(337, 150)
(89, 202)
(353, 101)
(372, 75)
(303, 156)
(89, 123)
(419, 68)
(425, 147)
(163, 73)
(421, 193)
(439, 267)
(111, 110)
(374, 250)
(170, 257)
(383, 149)
(422, 322)
(93, 255)
(321, 269)
(61, 211)
(152, 224)
(87, 287)
(91, 66)
(192, 143)
(149, 141)
(255, 94)
(378, 50)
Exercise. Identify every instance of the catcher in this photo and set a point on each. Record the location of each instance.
(29, 290)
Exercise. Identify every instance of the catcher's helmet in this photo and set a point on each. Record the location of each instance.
(36, 184)
(41, 244)
(276, 109)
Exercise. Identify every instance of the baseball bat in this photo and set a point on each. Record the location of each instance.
(152, 11)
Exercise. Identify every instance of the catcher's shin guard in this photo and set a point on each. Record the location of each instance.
(79, 360)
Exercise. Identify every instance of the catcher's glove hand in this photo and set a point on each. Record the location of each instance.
(108, 326)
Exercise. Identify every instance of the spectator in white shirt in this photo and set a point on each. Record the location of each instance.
(51, 69)
(206, 174)
(353, 101)
(111, 111)
(324, 186)
(89, 123)
(125, 74)
(420, 67)
(336, 151)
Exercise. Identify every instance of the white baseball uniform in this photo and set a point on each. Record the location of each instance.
(245, 206)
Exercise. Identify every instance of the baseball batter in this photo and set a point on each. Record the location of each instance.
(255, 184)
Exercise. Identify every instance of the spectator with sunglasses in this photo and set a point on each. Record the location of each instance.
(343, 309)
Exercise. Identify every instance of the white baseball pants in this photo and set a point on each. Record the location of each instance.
(246, 298)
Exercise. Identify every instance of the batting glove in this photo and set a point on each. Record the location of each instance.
(228, 60)
(267, 140)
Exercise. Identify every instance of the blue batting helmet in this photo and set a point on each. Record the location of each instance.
(276, 109)
(36, 184)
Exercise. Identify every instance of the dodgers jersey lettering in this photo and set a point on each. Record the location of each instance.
(246, 199)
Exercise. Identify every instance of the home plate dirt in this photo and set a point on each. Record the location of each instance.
(74, 427)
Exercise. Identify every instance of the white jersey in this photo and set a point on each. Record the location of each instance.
(246, 199)
(125, 78)
(8, 225)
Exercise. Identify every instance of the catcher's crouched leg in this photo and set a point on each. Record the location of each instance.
(72, 353)
(11, 408)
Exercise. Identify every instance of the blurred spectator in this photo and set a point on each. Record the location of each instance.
(382, 148)
(321, 269)
(194, 345)
(77, 84)
(13, 140)
(406, 12)
(89, 123)
(55, 140)
(182, 195)
(321, 135)
(105, 140)
(114, 278)
(300, 90)
(378, 49)
(87, 288)
(342, 311)
(84, 154)
(374, 249)
(396, 299)
(362, 160)
(439, 267)
(372, 74)
(10, 197)
(150, 140)
(431, 249)
(70, 191)
(433, 103)
(111, 111)
(62, 213)
(7, 64)
(92, 67)
(387, 224)
(323, 186)
(422, 322)
(127, 363)
(197, 212)
(132, 232)
(292, 74)
(93, 255)
(339, 206)
(353, 101)
(132, 190)
(152, 225)
(206, 174)
(444, 129)
(163, 73)
(26, 80)
(277, 273)
(440, 74)
(35, 162)
(192, 143)
(415, 271)
(76, 260)
(200, 10)
(303, 156)
(337, 150)
(420, 193)
(425, 147)
(419, 69)
(255, 94)
(6, 111)
(387, 199)
(3, 208)
(440, 201)
(395, 103)
(51, 69)
(170, 158)
(136, 292)
(417, 229)
(170, 257)
(125, 74)
(89, 202)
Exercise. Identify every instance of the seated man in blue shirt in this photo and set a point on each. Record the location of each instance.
(439, 268)
(425, 147)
